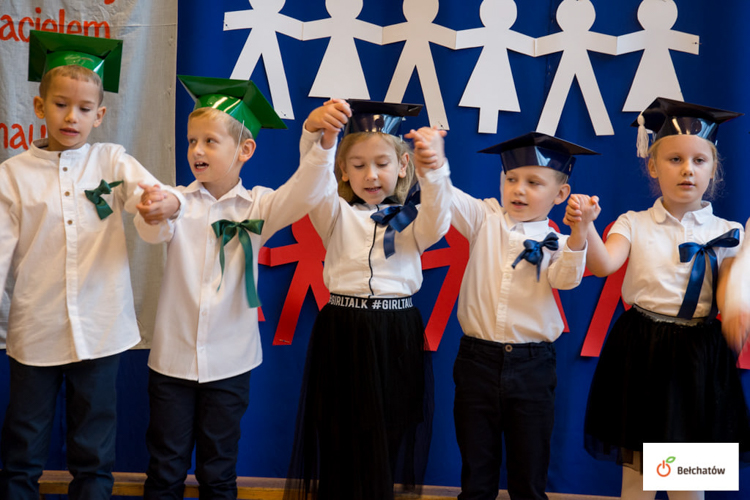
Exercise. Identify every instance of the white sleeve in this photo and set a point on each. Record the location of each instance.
(434, 217)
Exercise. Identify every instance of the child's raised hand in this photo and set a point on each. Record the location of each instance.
(429, 148)
(330, 118)
(581, 209)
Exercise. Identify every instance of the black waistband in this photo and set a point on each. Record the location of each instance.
(396, 304)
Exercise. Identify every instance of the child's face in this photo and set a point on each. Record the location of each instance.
(372, 169)
(529, 193)
(70, 109)
(683, 165)
(211, 154)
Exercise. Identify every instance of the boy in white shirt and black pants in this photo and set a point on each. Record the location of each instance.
(206, 338)
(62, 238)
(505, 369)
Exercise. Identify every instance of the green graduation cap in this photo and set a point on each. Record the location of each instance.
(48, 50)
(240, 99)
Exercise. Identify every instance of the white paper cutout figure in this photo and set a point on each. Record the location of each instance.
(656, 76)
(491, 87)
(340, 73)
(418, 31)
(575, 18)
(264, 21)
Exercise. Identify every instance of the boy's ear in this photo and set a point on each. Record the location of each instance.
(101, 110)
(562, 194)
(247, 150)
(652, 168)
(39, 107)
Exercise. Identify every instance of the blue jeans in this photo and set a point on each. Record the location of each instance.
(186, 413)
(91, 418)
(504, 390)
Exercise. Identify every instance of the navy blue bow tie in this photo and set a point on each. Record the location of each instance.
(396, 218)
(533, 253)
(689, 250)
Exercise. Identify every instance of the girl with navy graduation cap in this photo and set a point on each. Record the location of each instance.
(666, 373)
(364, 418)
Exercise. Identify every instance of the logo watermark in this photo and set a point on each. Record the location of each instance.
(690, 466)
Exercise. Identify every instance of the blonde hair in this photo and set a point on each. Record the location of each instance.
(561, 178)
(74, 72)
(400, 147)
(716, 180)
(234, 128)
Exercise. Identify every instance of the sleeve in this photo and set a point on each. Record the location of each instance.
(434, 217)
(567, 266)
(467, 213)
(131, 172)
(155, 233)
(307, 140)
(623, 226)
(309, 185)
(9, 225)
(728, 252)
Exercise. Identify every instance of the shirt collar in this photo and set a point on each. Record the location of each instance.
(390, 200)
(527, 228)
(237, 190)
(39, 149)
(660, 214)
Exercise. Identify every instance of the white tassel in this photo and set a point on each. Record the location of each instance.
(642, 141)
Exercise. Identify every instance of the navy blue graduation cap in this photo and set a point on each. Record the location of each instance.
(665, 117)
(538, 149)
(374, 116)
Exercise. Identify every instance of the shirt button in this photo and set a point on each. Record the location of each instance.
(65, 169)
(508, 347)
(70, 222)
(67, 193)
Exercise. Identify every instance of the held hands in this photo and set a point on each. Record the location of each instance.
(581, 210)
(330, 118)
(156, 205)
(429, 148)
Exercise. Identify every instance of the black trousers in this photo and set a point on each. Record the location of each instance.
(504, 390)
(185, 413)
(90, 416)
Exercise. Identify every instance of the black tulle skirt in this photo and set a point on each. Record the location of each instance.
(365, 410)
(659, 382)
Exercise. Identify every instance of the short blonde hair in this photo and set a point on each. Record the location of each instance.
(74, 72)
(400, 147)
(717, 179)
(234, 127)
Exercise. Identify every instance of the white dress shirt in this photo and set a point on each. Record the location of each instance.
(655, 279)
(73, 298)
(355, 262)
(204, 331)
(499, 303)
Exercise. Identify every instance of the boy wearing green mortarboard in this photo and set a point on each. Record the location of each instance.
(62, 237)
(206, 339)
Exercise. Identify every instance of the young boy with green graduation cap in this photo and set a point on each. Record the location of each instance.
(62, 238)
(206, 340)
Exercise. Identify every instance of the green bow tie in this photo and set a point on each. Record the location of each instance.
(226, 229)
(95, 196)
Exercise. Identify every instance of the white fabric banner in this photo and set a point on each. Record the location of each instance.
(140, 116)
